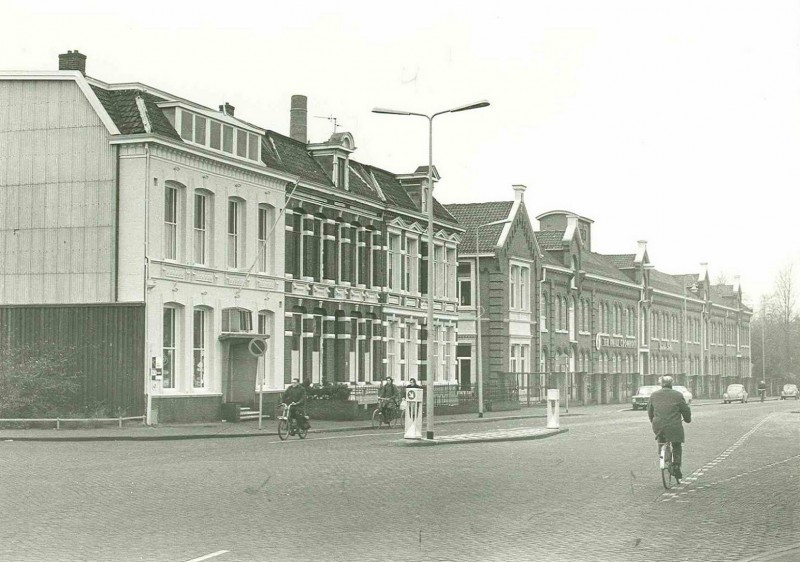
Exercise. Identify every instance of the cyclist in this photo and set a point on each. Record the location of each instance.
(762, 389)
(666, 409)
(295, 396)
(389, 397)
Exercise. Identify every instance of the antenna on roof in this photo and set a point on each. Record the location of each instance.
(332, 119)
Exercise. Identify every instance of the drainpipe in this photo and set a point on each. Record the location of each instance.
(541, 358)
(147, 382)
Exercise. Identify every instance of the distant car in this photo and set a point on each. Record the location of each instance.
(735, 393)
(642, 396)
(790, 391)
(685, 391)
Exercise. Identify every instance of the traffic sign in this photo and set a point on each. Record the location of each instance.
(257, 347)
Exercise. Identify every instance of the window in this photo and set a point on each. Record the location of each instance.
(200, 228)
(215, 136)
(524, 288)
(514, 284)
(465, 284)
(241, 143)
(168, 351)
(237, 320)
(394, 276)
(341, 172)
(412, 269)
(227, 139)
(234, 230)
(171, 222)
(199, 358)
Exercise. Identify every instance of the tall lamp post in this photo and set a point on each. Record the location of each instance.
(478, 312)
(429, 209)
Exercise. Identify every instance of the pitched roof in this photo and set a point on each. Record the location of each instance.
(600, 264)
(471, 215)
(121, 107)
(550, 239)
(278, 152)
(622, 261)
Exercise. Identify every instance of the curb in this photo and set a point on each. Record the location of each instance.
(430, 442)
(265, 433)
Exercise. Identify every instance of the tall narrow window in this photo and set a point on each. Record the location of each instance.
(524, 297)
(168, 348)
(513, 288)
(464, 284)
(263, 231)
(234, 242)
(199, 358)
(171, 222)
(200, 228)
(394, 276)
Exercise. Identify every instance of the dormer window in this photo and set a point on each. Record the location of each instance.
(195, 128)
(341, 173)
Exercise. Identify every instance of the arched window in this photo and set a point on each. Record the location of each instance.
(236, 230)
(173, 196)
(171, 336)
(201, 330)
(266, 227)
(558, 314)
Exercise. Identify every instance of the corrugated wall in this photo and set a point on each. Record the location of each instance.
(57, 196)
(109, 340)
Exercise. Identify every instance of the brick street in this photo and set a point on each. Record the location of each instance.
(593, 493)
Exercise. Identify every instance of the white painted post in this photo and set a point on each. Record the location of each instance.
(414, 399)
(552, 408)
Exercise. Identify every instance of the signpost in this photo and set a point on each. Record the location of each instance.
(258, 348)
(414, 413)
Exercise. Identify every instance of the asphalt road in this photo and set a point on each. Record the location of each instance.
(593, 493)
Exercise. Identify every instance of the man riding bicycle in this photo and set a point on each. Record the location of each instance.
(665, 410)
(762, 389)
(295, 396)
(389, 399)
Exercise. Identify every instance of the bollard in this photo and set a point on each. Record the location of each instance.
(413, 413)
(552, 408)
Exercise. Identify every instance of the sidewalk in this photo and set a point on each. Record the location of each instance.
(134, 431)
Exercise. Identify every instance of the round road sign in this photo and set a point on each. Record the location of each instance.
(257, 347)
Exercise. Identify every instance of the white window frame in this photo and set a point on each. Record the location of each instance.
(171, 221)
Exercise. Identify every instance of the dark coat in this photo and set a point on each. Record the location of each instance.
(665, 410)
(295, 394)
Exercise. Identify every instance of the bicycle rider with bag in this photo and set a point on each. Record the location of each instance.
(295, 396)
(389, 398)
(667, 409)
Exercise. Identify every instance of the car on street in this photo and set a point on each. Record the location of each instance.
(790, 391)
(735, 393)
(642, 396)
(685, 391)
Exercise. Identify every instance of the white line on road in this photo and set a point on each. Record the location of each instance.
(207, 556)
(341, 437)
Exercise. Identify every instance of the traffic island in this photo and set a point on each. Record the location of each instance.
(483, 437)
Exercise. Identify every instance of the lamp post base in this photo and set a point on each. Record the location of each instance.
(480, 414)
(428, 435)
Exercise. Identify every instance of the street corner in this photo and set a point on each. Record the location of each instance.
(520, 434)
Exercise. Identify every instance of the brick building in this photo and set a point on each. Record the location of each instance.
(356, 266)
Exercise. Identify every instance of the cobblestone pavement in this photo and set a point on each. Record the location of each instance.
(593, 493)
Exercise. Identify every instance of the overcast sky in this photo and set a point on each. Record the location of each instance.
(673, 122)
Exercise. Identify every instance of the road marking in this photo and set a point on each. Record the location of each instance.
(695, 476)
(337, 437)
(207, 556)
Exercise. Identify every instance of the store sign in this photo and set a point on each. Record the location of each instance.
(618, 342)
(661, 345)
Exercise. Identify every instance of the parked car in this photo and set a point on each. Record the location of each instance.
(685, 391)
(735, 393)
(642, 396)
(790, 391)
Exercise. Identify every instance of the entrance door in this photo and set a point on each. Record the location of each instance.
(464, 373)
(242, 369)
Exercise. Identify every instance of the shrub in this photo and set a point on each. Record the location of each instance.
(40, 384)
(328, 391)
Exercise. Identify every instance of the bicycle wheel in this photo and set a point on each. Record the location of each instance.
(666, 470)
(302, 432)
(376, 418)
(283, 429)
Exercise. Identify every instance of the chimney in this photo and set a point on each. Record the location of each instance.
(72, 60)
(737, 281)
(227, 109)
(298, 119)
(519, 192)
(703, 272)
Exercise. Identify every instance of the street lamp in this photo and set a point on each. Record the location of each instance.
(429, 204)
(693, 289)
(478, 312)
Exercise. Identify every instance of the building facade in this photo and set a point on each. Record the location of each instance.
(500, 244)
(357, 267)
(125, 194)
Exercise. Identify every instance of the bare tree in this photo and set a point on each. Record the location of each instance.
(784, 314)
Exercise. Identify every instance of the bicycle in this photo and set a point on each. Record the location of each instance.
(762, 392)
(287, 425)
(396, 416)
(665, 464)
